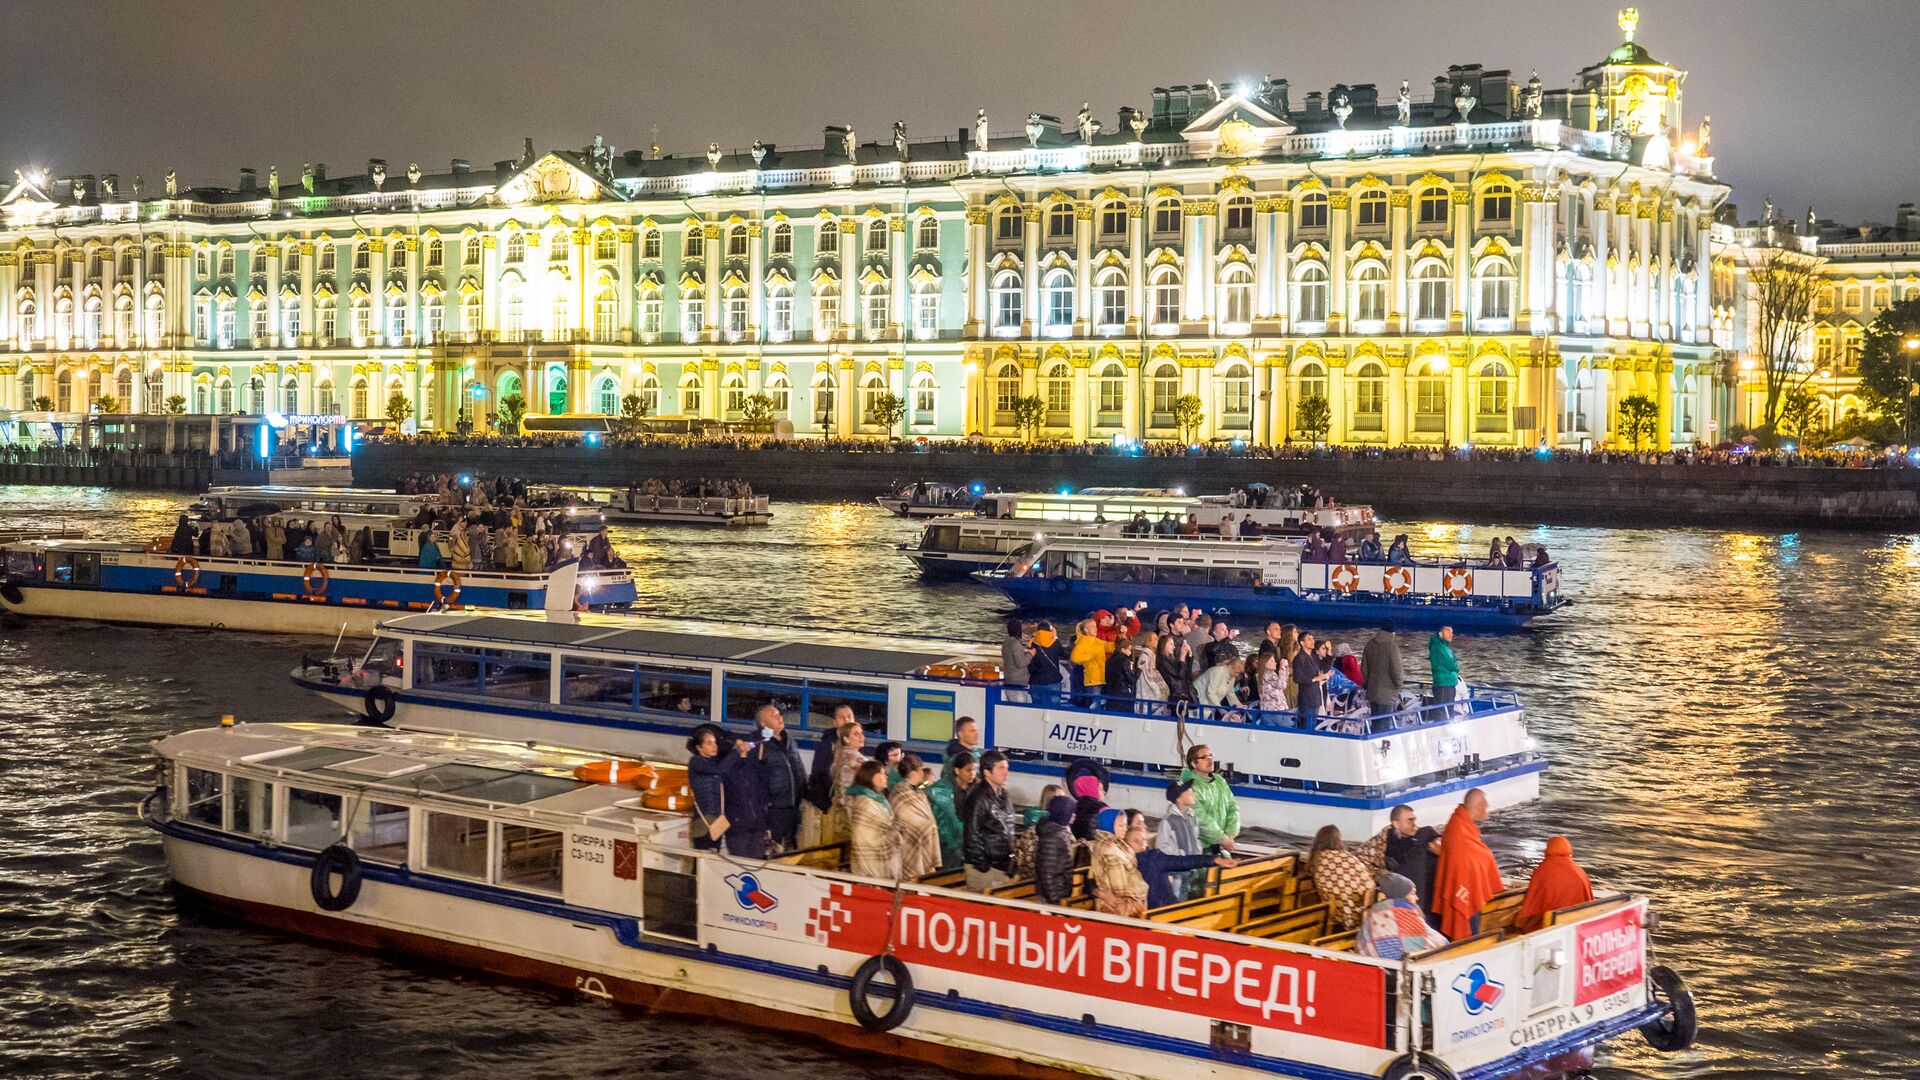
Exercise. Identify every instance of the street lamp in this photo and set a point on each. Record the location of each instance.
(1826, 376)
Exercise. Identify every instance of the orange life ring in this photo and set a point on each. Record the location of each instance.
(446, 587)
(1458, 581)
(633, 774)
(1345, 578)
(159, 544)
(579, 602)
(314, 579)
(186, 572)
(1399, 580)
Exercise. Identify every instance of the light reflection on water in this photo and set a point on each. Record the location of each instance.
(1729, 715)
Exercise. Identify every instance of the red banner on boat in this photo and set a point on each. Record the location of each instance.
(1610, 951)
(1220, 980)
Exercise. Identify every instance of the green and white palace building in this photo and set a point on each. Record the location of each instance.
(1478, 259)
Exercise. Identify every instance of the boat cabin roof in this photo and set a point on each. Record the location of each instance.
(693, 639)
(522, 779)
(1166, 549)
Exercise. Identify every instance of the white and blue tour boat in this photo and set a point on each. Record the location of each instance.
(131, 583)
(636, 685)
(1272, 579)
(388, 516)
(499, 857)
(923, 499)
(630, 505)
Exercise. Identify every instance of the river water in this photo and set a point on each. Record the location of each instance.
(1730, 716)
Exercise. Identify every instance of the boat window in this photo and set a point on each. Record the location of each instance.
(1180, 575)
(252, 807)
(521, 788)
(453, 668)
(317, 757)
(25, 564)
(670, 903)
(202, 805)
(86, 568)
(941, 538)
(529, 858)
(517, 675)
(973, 541)
(313, 818)
(457, 844)
(597, 683)
(675, 690)
(743, 695)
(929, 715)
(60, 568)
(1232, 575)
(380, 832)
(869, 703)
(451, 778)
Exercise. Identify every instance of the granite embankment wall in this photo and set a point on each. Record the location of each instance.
(179, 472)
(1482, 490)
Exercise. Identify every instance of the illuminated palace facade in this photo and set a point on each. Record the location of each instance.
(1495, 263)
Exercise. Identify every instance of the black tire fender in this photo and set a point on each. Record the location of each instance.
(1417, 1067)
(1675, 1029)
(1059, 585)
(336, 859)
(380, 703)
(10, 592)
(862, 985)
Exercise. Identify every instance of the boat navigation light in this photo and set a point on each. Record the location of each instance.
(979, 488)
(1066, 489)
(466, 479)
(226, 721)
(593, 438)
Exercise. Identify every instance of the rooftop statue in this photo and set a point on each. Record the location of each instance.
(850, 143)
(1403, 105)
(173, 184)
(980, 130)
(900, 138)
(1464, 101)
(1342, 109)
(713, 155)
(1035, 129)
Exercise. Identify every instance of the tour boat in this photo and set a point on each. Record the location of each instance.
(632, 505)
(1005, 522)
(507, 858)
(130, 583)
(930, 500)
(388, 516)
(636, 685)
(1272, 580)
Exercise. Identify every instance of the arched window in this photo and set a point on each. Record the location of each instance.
(1683, 306)
(63, 323)
(256, 395)
(733, 395)
(92, 316)
(290, 395)
(1492, 396)
(1496, 206)
(1310, 381)
(1009, 226)
(781, 242)
(605, 313)
(737, 242)
(558, 390)
(154, 390)
(736, 312)
(827, 236)
(878, 308)
(1431, 207)
(780, 313)
(1236, 218)
(471, 313)
(362, 406)
(1110, 393)
(606, 246)
(63, 392)
(1056, 386)
(922, 399)
(324, 401)
(606, 396)
(690, 392)
(825, 385)
(1236, 397)
(1163, 389)
(436, 254)
(649, 390)
(1493, 308)
(926, 310)
(1056, 302)
(1110, 298)
(362, 314)
(561, 309)
(398, 259)
(1369, 396)
(1370, 209)
(1573, 408)
(28, 328)
(1113, 221)
(396, 319)
(226, 262)
(694, 243)
(1310, 288)
(223, 395)
(202, 394)
(470, 251)
(1005, 302)
(1370, 294)
(1006, 391)
(927, 233)
(872, 389)
(650, 243)
(1313, 210)
(225, 316)
(780, 392)
(1059, 224)
(877, 235)
(1163, 297)
(693, 313)
(513, 312)
(1236, 296)
(1433, 292)
(362, 257)
(1429, 389)
(1575, 310)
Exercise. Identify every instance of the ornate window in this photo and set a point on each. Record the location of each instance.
(736, 313)
(226, 262)
(1008, 225)
(605, 313)
(826, 314)
(470, 314)
(516, 248)
(1432, 205)
(926, 235)
(1059, 223)
(606, 396)
(1370, 209)
(690, 392)
(693, 240)
(926, 310)
(1313, 211)
(782, 239)
(433, 318)
(1113, 221)
(824, 393)
(829, 237)
(470, 251)
(1370, 294)
(1163, 297)
(877, 235)
(1237, 218)
(780, 392)
(1369, 396)
(650, 243)
(398, 261)
(1236, 397)
(733, 395)
(1006, 391)
(1056, 301)
(1430, 395)
(1056, 386)
(780, 313)
(1310, 289)
(1163, 389)
(1110, 388)
(1110, 298)
(1496, 206)
(1433, 292)
(651, 313)
(1005, 302)
(1236, 295)
(737, 242)
(1494, 306)
(362, 257)
(878, 304)
(1492, 391)
(436, 254)
(693, 313)
(922, 401)
(1166, 218)
(649, 391)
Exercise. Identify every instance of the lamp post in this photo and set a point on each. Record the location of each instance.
(1826, 376)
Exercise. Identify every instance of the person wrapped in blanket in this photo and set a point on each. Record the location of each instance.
(1394, 928)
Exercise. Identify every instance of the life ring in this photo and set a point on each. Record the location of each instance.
(1345, 578)
(1675, 1029)
(379, 703)
(579, 602)
(1457, 581)
(158, 544)
(862, 985)
(1399, 580)
(314, 579)
(10, 592)
(1417, 1067)
(186, 572)
(337, 859)
(446, 587)
(1059, 585)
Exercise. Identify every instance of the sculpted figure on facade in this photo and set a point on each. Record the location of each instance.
(1085, 124)
(900, 138)
(713, 155)
(980, 130)
(273, 181)
(1342, 109)
(1706, 135)
(850, 143)
(1035, 129)
(108, 184)
(377, 172)
(413, 174)
(1136, 122)
(1403, 105)
(1532, 98)
(1464, 102)
(759, 152)
(306, 176)
(173, 184)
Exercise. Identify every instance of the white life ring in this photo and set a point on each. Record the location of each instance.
(1458, 581)
(1345, 578)
(446, 587)
(1399, 580)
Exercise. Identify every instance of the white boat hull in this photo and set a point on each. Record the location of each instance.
(203, 612)
(684, 517)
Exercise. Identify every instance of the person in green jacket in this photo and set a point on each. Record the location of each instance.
(946, 796)
(1445, 665)
(1214, 809)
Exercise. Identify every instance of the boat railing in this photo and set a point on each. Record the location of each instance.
(384, 568)
(711, 504)
(1421, 711)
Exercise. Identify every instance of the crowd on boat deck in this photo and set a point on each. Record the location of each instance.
(700, 488)
(1407, 889)
(1189, 663)
(921, 493)
(476, 538)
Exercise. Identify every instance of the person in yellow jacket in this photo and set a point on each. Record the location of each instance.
(1090, 652)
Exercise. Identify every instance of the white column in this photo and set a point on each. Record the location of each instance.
(1030, 272)
(1263, 239)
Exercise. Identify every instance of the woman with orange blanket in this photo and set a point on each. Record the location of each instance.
(1558, 882)
(1467, 875)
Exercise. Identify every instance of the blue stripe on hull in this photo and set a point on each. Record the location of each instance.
(257, 583)
(1078, 594)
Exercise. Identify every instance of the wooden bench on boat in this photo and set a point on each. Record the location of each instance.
(1340, 942)
(824, 857)
(1594, 906)
(1501, 909)
(1300, 926)
(1222, 912)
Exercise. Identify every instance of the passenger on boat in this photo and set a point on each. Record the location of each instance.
(1269, 685)
(1179, 835)
(1394, 929)
(873, 848)
(1370, 547)
(1343, 880)
(459, 549)
(889, 754)
(947, 796)
(1413, 850)
(1118, 887)
(1219, 647)
(966, 738)
(1016, 652)
(712, 759)
(1198, 631)
(1139, 526)
(1336, 547)
(1053, 852)
(1166, 526)
(1309, 680)
(1467, 874)
(1044, 668)
(1216, 687)
(1149, 688)
(1558, 882)
(1397, 552)
(1215, 807)
(429, 552)
(1496, 556)
(360, 546)
(783, 776)
(183, 536)
(989, 826)
(1089, 656)
(1190, 528)
(1540, 556)
(1316, 550)
(1089, 800)
(1175, 664)
(276, 539)
(1444, 664)
(1159, 869)
(304, 551)
(1385, 677)
(1122, 675)
(1024, 833)
(1347, 664)
(1516, 558)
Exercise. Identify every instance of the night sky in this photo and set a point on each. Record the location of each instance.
(1812, 102)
